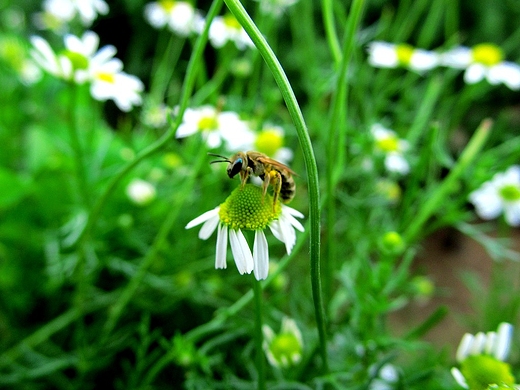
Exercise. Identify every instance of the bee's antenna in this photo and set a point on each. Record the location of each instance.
(224, 159)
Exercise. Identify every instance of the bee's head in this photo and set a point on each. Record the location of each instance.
(235, 167)
(237, 162)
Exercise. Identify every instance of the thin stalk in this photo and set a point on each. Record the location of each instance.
(259, 338)
(330, 31)
(336, 144)
(438, 196)
(310, 163)
(160, 240)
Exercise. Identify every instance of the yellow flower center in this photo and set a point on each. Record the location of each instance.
(404, 53)
(487, 54)
(208, 123)
(247, 208)
(106, 77)
(78, 60)
(480, 371)
(388, 144)
(510, 193)
(167, 5)
(269, 141)
(231, 22)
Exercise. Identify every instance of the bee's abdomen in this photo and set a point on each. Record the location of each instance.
(288, 189)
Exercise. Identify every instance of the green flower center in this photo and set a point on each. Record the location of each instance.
(480, 371)
(285, 347)
(388, 144)
(404, 53)
(247, 208)
(510, 193)
(231, 22)
(269, 141)
(208, 123)
(78, 60)
(487, 54)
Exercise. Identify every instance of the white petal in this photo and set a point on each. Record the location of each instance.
(478, 344)
(395, 162)
(221, 251)
(464, 346)
(459, 377)
(382, 54)
(458, 58)
(203, 218)
(241, 252)
(260, 255)
(487, 202)
(423, 60)
(208, 228)
(491, 339)
(503, 343)
(475, 73)
(185, 130)
(512, 213)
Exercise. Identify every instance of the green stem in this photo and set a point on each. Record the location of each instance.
(438, 196)
(160, 240)
(310, 163)
(259, 338)
(330, 31)
(337, 139)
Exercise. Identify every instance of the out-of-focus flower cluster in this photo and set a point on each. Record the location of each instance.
(482, 61)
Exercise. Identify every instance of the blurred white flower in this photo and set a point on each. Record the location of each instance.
(179, 16)
(500, 194)
(216, 127)
(387, 142)
(483, 61)
(482, 357)
(83, 62)
(225, 29)
(285, 348)
(61, 12)
(386, 378)
(140, 192)
(389, 55)
(275, 7)
(270, 141)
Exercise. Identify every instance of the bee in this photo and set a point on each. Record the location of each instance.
(270, 171)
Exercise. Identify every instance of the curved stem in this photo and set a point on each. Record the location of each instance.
(310, 163)
(330, 30)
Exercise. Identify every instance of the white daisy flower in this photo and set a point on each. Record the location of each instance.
(285, 348)
(482, 357)
(389, 55)
(387, 142)
(225, 29)
(179, 16)
(65, 11)
(247, 209)
(48, 60)
(500, 194)
(270, 141)
(217, 128)
(140, 192)
(483, 61)
(275, 7)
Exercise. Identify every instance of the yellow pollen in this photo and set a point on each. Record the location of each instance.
(389, 144)
(487, 54)
(106, 77)
(208, 123)
(269, 141)
(231, 22)
(404, 53)
(167, 5)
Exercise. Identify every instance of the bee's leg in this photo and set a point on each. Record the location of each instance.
(265, 184)
(277, 184)
(244, 175)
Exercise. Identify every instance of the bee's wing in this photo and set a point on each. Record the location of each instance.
(276, 164)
